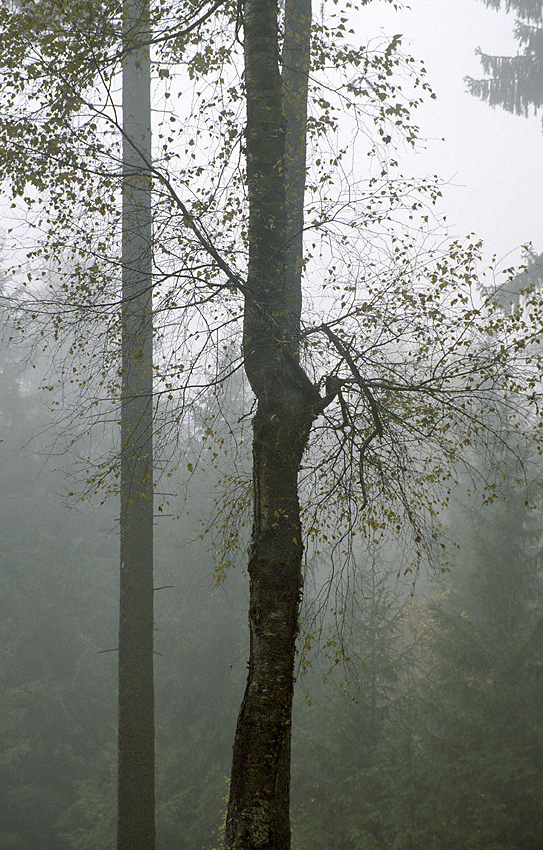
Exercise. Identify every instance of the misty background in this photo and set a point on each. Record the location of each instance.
(418, 722)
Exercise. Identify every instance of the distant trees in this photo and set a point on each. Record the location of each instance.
(515, 82)
(479, 704)
(340, 774)
(374, 367)
(437, 738)
(58, 601)
(454, 757)
(59, 592)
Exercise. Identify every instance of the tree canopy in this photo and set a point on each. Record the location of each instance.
(515, 82)
(377, 362)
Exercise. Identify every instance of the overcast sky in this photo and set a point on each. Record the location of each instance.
(492, 161)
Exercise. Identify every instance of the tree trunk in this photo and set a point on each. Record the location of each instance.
(295, 76)
(136, 796)
(258, 810)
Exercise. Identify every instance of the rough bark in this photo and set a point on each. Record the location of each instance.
(287, 404)
(136, 796)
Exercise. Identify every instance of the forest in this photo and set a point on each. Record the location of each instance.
(271, 440)
(429, 735)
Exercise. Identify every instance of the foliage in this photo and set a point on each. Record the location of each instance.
(439, 725)
(57, 691)
(418, 342)
(480, 714)
(339, 730)
(514, 82)
(454, 760)
(411, 369)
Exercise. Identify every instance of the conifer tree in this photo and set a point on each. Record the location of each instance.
(478, 708)
(338, 760)
(381, 386)
(515, 83)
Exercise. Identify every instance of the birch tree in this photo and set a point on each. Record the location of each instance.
(369, 391)
(287, 404)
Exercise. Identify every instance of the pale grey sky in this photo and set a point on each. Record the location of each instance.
(492, 160)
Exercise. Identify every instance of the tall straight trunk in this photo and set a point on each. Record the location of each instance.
(136, 793)
(295, 77)
(258, 809)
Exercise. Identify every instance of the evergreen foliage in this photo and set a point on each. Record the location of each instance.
(375, 391)
(453, 759)
(435, 742)
(481, 705)
(340, 774)
(515, 83)
(57, 605)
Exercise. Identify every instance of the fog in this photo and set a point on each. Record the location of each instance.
(488, 160)
(416, 723)
(417, 719)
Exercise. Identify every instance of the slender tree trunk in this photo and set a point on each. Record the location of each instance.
(295, 77)
(136, 795)
(288, 402)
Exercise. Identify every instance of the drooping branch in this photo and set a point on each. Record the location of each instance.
(377, 430)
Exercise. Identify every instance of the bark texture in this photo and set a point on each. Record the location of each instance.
(258, 811)
(136, 747)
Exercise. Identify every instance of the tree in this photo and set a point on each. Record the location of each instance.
(58, 593)
(392, 375)
(340, 792)
(59, 607)
(136, 768)
(287, 405)
(515, 82)
(453, 759)
(478, 717)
